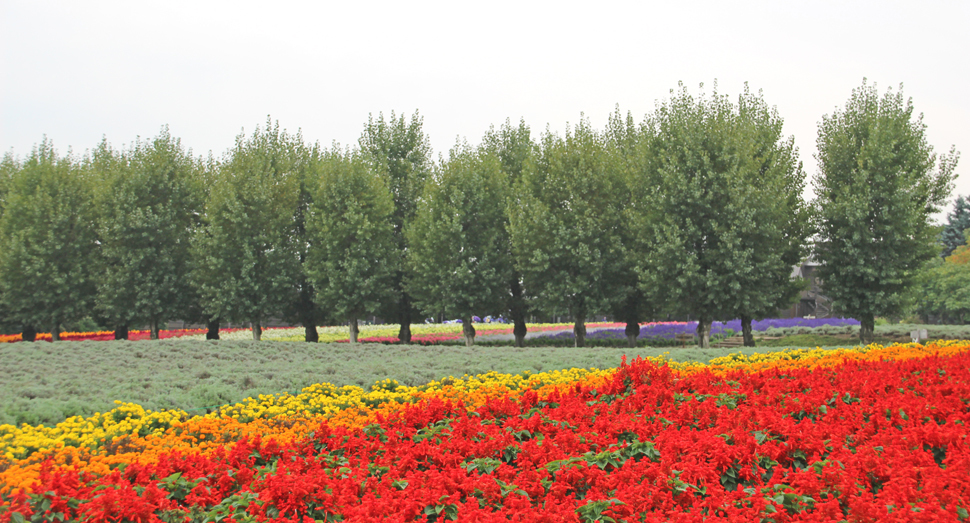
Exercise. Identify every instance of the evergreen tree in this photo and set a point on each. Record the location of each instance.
(47, 275)
(403, 154)
(877, 189)
(458, 245)
(353, 255)
(958, 221)
(248, 262)
(565, 225)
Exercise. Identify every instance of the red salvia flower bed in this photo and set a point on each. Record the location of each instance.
(872, 441)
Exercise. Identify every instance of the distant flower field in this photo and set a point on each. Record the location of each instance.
(438, 332)
(866, 434)
(383, 333)
(661, 331)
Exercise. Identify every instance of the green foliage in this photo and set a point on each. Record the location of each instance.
(458, 256)
(565, 222)
(9, 166)
(774, 233)
(876, 190)
(957, 223)
(717, 202)
(944, 292)
(402, 153)
(148, 201)
(353, 255)
(247, 256)
(49, 244)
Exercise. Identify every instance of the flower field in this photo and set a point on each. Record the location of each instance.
(661, 332)
(875, 433)
(133, 335)
(383, 333)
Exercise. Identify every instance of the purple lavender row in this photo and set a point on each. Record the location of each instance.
(670, 331)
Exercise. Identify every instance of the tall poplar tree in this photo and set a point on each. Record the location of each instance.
(8, 168)
(304, 308)
(711, 208)
(565, 224)
(515, 149)
(47, 277)
(877, 187)
(353, 256)
(624, 140)
(458, 245)
(402, 152)
(774, 235)
(147, 202)
(248, 258)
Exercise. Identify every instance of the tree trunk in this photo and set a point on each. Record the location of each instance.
(308, 316)
(866, 327)
(517, 311)
(746, 331)
(519, 331)
(468, 330)
(404, 334)
(630, 314)
(257, 331)
(121, 332)
(56, 333)
(704, 333)
(29, 333)
(212, 330)
(579, 329)
(310, 332)
(632, 331)
(354, 330)
(153, 329)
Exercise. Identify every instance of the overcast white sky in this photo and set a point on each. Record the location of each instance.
(77, 71)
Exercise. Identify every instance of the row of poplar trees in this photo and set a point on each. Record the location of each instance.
(697, 210)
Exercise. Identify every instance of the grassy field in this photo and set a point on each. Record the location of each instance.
(44, 383)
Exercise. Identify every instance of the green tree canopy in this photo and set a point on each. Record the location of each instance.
(459, 259)
(47, 277)
(353, 255)
(148, 203)
(565, 223)
(876, 189)
(248, 258)
(400, 149)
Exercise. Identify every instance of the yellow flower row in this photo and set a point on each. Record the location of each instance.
(323, 399)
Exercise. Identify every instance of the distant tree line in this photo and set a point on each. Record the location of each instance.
(697, 210)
